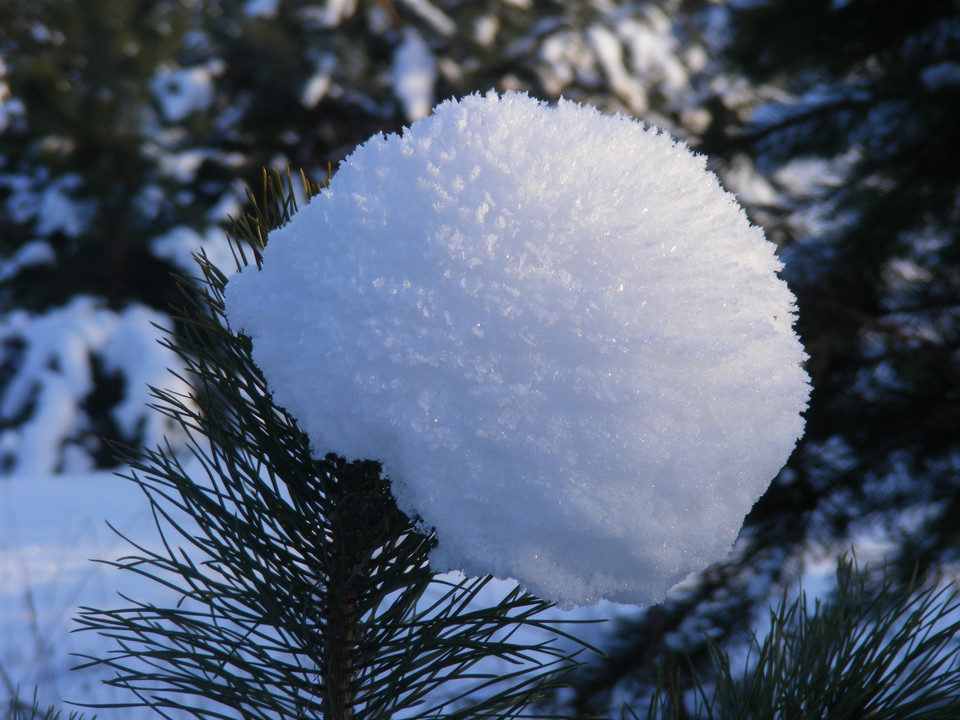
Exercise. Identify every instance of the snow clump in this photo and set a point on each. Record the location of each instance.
(562, 338)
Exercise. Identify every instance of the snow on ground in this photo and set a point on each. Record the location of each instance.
(50, 529)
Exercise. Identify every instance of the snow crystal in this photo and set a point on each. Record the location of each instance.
(564, 341)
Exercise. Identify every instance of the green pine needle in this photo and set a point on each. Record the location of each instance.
(871, 652)
(302, 590)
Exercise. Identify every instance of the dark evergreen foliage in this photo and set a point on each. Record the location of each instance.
(886, 652)
(81, 71)
(863, 112)
(101, 113)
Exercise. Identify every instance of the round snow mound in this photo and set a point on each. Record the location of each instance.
(562, 338)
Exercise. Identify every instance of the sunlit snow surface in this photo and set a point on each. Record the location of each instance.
(564, 341)
(50, 529)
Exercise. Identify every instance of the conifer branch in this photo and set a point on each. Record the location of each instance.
(303, 591)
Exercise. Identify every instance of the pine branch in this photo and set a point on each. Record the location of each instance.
(302, 590)
(881, 652)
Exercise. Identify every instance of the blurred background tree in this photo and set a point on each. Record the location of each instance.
(849, 158)
(128, 131)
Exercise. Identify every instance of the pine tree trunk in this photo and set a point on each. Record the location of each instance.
(356, 508)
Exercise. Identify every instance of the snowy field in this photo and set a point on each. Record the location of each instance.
(50, 529)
